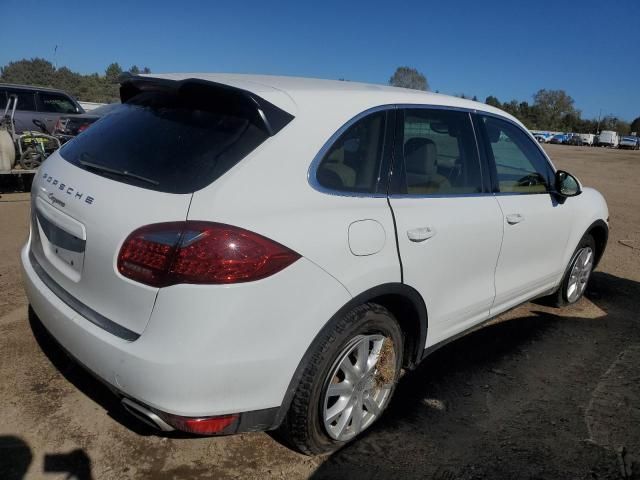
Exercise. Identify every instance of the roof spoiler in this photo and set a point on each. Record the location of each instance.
(213, 96)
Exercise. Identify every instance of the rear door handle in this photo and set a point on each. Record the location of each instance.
(514, 218)
(421, 234)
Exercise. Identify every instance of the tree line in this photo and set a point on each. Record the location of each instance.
(552, 110)
(94, 87)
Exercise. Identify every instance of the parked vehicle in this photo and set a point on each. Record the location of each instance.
(608, 138)
(68, 126)
(575, 139)
(30, 148)
(38, 103)
(629, 142)
(559, 138)
(542, 138)
(237, 253)
(588, 138)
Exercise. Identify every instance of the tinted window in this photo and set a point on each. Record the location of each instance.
(56, 103)
(166, 142)
(26, 100)
(440, 155)
(520, 166)
(3, 100)
(354, 161)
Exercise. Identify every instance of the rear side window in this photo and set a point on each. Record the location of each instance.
(354, 161)
(3, 100)
(165, 141)
(520, 167)
(26, 100)
(440, 155)
(55, 103)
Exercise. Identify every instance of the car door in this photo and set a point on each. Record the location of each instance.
(51, 106)
(449, 225)
(536, 223)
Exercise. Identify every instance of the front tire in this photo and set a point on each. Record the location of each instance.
(576, 278)
(348, 382)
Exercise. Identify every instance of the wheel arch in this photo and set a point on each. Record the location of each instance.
(406, 305)
(599, 230)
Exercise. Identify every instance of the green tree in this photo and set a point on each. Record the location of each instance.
(611, 122)
(407, 77)
(635, 126)
(36, 71)
(493, 101)
(113, 72)
(134, 70)
(553, 107)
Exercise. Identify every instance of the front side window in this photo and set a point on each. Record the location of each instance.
(440, 155)
(520, 166)
(354, 161)
(56, 103)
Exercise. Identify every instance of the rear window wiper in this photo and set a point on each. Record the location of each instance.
(122, 173)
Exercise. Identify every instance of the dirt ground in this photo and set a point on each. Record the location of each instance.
(542, 393)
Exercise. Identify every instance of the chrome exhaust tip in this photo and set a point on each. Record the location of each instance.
(145, 415)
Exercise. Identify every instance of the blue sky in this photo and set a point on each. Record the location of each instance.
(509, 49)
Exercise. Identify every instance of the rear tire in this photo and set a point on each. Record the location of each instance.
(348, 382)
(576, 278)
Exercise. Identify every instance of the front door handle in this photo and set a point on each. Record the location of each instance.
(514, 218)
(421, 234)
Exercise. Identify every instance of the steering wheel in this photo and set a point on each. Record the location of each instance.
(40, 124)
(529, 180)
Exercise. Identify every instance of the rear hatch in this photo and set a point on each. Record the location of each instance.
(138, 166)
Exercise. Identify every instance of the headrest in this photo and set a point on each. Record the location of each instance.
(420, 156)
(493, 132)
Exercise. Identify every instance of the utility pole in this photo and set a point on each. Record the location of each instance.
(55, 61)
(599, 115)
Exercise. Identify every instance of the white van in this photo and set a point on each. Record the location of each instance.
(587, 138)
(609, 138)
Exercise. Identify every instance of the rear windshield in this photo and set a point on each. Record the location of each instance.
(162, 141)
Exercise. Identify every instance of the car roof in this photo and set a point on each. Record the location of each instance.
(32, 87)
(297, 94)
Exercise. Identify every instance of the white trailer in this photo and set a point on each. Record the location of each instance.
(587, 138)
(609, 138)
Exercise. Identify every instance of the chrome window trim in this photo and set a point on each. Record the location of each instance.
(313, 167)
(315, 163)
(396, 196)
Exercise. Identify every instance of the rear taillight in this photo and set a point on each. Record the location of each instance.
(166, 254)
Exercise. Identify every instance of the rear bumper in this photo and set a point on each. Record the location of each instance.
(206, 351)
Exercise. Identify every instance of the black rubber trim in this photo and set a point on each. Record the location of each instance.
(59, 237)
(386, 289)
(258, 420)
(79, 307)
(605, 227)
(228, 99)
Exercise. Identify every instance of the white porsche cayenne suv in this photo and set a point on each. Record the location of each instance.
(233, 253)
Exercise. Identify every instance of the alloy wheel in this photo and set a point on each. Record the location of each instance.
(358, 386)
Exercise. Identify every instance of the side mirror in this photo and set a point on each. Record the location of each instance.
(566, 184)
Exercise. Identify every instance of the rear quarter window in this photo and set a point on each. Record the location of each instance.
(163, 142)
